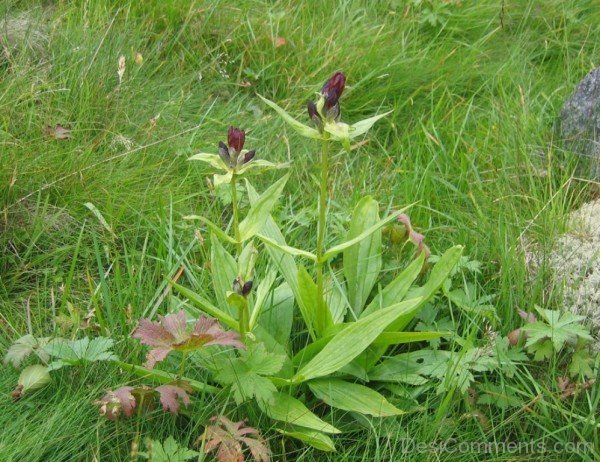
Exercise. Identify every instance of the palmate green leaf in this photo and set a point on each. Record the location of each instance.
(353, 340)
(560, 328)
(316, 439)
(353, 397)
(246, 373)
(285, 408)
(206, 306)
(362, 261)
(396, 290)
(332, 252)
(213, 160)
(261, 210)
(319, 320)
(71, 352)
(25, 346)
(169, 451)
(304, 130)
(223, 269)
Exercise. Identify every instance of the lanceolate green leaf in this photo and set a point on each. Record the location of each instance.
(440, 272)
(261, 209)
(353, 340)
(396, 338)
(206, 306)
(285, 262)
(362, 261)
(353, 397)
(213, 227)
(304, 130)
(285, 408)
(287, 249)
(223, 269)
(319, 320)
(355, 240)
(314, 438)
(211, 159)
(363, 126)
(396, 290)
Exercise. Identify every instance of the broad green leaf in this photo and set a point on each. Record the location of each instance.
(206, 306)
(313, 438)
(246, 261)
(363, 126)
(319, 319)
(355, 240)
(353, 340)
(277, 313)
(258, 166)
(261, 210)
(439, 274)
(287, 249)
(304, 130)
(211, 159)
(285, 408)
(337, 299)
(262, 292)
(353, 397)
(71, 352)
(285, 263)
(396, 290)
(216, 229)
(223, 270)
(362, 261)
(397, 338)
(33, 378)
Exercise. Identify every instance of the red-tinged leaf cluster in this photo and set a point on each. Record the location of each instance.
(171, 334)
(227, 437)
(124, 400)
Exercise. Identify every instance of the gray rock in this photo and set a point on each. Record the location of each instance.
(580, 123)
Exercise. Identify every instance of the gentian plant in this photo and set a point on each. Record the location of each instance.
(245, 349)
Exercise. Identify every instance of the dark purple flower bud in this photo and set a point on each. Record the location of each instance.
(333, 89)
(237, 286)
(236, 138)
(224, 153)
(312, 110)
(249, 156)
(247, 288)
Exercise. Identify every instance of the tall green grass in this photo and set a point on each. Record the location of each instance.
(471, 143)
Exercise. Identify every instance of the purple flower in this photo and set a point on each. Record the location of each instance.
(331, 92)
(232, 153)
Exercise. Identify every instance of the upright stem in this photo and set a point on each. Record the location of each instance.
(236, 220)
(321, 231)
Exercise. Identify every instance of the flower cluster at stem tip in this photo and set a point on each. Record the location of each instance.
(327, 106)
(233, 153)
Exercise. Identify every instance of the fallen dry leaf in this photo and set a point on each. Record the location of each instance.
(569, 388)
(279, 42)
(58, 132)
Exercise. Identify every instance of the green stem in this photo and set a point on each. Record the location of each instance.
(321, 232)
(182, 364)
(243, 321)
(236, 219)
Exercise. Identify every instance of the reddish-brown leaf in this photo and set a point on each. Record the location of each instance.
(169, 395)
(226, 436)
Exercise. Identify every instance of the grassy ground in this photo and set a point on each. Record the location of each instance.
(475, 96)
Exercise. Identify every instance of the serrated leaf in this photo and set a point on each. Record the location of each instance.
(353, 397)
(261, 210)
(25, 346)
(353, 340)
(169, 451)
